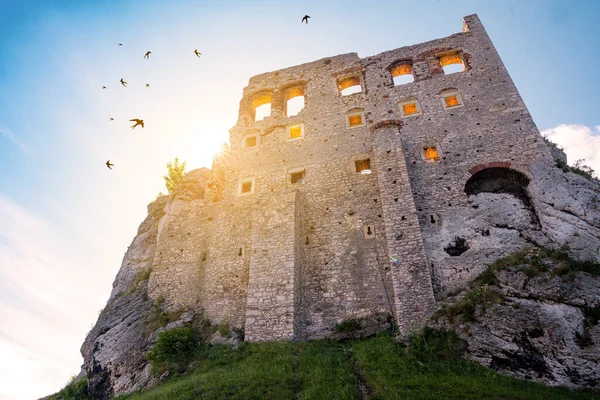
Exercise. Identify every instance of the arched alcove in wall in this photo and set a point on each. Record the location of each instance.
(501, 180)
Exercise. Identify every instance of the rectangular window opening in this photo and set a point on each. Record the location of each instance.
(451, 101)
(410, 109)
(363, 166)
(355, 120)
(431, 153)
(297, 177)
(251, 141)
(246, 187)
(295, 132)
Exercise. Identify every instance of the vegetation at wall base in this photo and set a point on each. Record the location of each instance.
(430, 368)
(74, 390)
(533, 262)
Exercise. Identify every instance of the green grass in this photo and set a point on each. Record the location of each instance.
(326, 369)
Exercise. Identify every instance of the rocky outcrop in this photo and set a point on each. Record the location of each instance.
(114, 350)
(543, 329)
(506, 211)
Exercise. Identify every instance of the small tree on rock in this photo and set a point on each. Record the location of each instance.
(175, 174)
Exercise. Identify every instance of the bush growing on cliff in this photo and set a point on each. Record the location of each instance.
(175, 348)
(74, 390)
(578, 168)
(175, 174)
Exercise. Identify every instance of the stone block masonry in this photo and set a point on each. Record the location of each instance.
(278, 245)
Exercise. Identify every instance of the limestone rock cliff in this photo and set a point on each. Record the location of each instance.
(543, 328)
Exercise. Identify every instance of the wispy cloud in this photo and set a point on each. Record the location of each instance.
(9, 135)
(579, 142)
(48, 300)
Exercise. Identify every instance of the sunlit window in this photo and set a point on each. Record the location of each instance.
(246, 186)
(250, 141)
(295, 132)
(350, 85)
(452, 63)
(363, 167)
(296, 176)
(262, 106)
(294, 101)
(431, 153)
(402, 74)
(355, 118)
(409, 108)
(451, 98)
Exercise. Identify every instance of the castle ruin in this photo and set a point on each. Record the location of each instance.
(365, 202)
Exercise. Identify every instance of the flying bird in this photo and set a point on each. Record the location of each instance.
(137, 122)
(147, 55)
(305, 19)
(112, 119)
(103, 87)
(120, 44)
(109, 165)
(147, 85)
(197, 53)
(123, 82)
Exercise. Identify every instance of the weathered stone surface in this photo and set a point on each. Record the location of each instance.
(114, 350)
(540, 332)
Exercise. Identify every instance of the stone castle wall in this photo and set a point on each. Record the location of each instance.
(292, 260)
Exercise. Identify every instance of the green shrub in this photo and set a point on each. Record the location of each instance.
(74, 390)
(174, 348)
(142, 276)
(223, 329)
(579, 168)
(158, 318)
(464, 310)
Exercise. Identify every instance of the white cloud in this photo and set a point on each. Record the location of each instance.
(7, 133)
(48, 300)
(579, 142)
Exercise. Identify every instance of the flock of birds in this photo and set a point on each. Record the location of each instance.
(140, 122)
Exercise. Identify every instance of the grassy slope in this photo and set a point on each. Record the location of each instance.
(332, 370)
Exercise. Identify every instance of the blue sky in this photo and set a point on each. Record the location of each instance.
(66, 220)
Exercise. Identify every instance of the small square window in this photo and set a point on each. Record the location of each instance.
(409, 109)
(355, 120)
(431, 153)
(451, 98)
(363, 166)
(297, 177)
(295, 132)
(246, 186)
(451, 101)
(251, 141)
